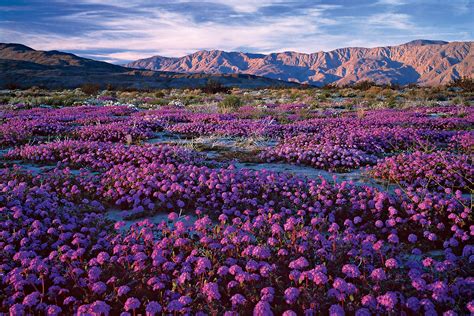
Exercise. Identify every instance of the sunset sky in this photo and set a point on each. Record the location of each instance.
(125, 30)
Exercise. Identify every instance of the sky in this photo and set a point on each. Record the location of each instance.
(125, 30)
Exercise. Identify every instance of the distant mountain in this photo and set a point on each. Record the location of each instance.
(23, 66)
(425, 62)
(421, 42)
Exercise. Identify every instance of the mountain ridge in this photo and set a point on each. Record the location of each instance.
(24, 66)
(424, 62)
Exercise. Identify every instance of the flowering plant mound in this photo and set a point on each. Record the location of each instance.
(102, 155)
(320, 156)
(226, 127)
(158, 187)
(463, 141)
(113, 132)
(439, 170)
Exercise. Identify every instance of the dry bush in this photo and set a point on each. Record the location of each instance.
(90, 88)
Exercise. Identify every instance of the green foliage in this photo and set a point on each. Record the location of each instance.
(190, 99)
(314, 98)
(392, 102)
(159, 94)
(158, 102)
(230, 102)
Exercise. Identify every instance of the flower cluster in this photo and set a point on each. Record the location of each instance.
(230, 241)
(113, 132)
(439, 170)
(102, 155)
(223, 267)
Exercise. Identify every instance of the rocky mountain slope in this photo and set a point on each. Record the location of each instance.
(423, 62)
(22, 66)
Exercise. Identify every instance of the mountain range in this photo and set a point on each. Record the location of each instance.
(22, 66)
(423, 62)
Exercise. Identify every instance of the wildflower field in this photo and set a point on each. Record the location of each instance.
(276, 209)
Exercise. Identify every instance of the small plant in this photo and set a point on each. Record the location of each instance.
(214, 86)
(465, 83)
(12, 86)
(90, 88)
(363, 85)
(361, 113)
(159, 94)
(230, 102)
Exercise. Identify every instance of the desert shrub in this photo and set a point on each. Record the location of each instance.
(159, 94)
(325, 94)
(4, 99)
(158, 102)
(213, 87)
(90, 88)
(465, 83)
(392, 102)
(387, 92)
(190, 99)
(373, 92)
(230, 102)
(12, 86)
(438, 96)
(364, 85)
(348, 93)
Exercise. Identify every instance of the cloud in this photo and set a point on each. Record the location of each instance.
(125, 30)
(391, 2)
(242, 6)
(177, 33)
(389, 20)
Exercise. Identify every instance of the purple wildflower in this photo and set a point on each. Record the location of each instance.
(131, 304)
(100, 308)
(17, 310)
(211, 290)
(99, 288)
(351, 270)
(31, 299)
(299, 263)
(336, 310)
(262, 308)
(378, 274)
(391, 263)
(388, 300)
(153, 308)
(123, 290)
(237, 299)
(291, 295)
